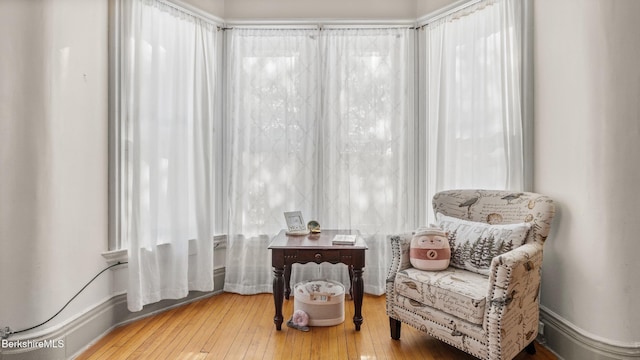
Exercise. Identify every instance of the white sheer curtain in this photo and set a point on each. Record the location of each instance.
(167, 81)
(368, 150)
(474, 115)
(322, 122)
(272, 113)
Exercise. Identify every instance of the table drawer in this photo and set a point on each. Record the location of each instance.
(313, 256)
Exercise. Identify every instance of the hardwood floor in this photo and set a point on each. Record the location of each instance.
(231, 326)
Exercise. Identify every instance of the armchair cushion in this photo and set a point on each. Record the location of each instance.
(454, 291)
(474, 244)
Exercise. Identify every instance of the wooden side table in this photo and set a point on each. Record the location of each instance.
(287, 250)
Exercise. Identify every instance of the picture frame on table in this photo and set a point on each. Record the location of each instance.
(295, 223)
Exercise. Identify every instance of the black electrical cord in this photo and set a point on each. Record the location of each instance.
(68, 302)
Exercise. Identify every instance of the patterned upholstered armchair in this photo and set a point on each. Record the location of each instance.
(492, 314)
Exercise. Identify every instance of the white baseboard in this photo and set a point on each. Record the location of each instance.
(81, 333)
(570, 342)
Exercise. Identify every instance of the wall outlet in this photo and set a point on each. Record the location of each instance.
(5, 332)
(540, 328)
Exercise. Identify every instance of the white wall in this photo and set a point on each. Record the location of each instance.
(53, 158)
(587, 145)
(424, 7)
(314, 9)
(213, 7)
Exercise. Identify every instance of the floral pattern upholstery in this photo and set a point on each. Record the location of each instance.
(490, 317)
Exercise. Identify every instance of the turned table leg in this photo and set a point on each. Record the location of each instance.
(278, 292)
(287, 281)
(358, 291)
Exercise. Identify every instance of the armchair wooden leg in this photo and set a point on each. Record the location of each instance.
(394, 325)
(530, 349)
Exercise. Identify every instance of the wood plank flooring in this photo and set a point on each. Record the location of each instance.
(231, 326)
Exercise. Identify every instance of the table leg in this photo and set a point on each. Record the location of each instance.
(350, 267)
(278, 291)
(358, 291)
(287, 281)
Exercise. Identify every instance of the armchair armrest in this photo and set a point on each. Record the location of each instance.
(400, 245)
(513, 303)
(507, 269)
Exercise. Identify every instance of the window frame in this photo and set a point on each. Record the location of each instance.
(117, 148)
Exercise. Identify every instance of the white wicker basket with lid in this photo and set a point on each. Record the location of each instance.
(322, 300)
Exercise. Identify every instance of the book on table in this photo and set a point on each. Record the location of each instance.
(344, 239)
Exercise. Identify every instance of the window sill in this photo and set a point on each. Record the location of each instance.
(115, 256)
(122, 255)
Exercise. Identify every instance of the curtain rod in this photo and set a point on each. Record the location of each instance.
(446, 11)
(319, 23)
(318, 28)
